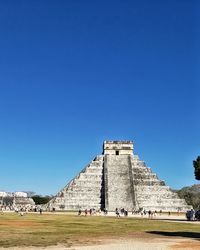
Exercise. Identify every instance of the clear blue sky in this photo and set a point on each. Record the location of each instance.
(75, 73)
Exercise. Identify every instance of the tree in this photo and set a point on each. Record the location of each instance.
(30, 193)
(38, 199)
(196, 165)
(191, 194)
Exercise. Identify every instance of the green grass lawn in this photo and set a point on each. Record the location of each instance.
(52, 229)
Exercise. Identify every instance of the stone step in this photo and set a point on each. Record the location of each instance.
(82, 191)
(85, 199)
(149, 182)
(157, 194)
(162, 200)
(138, 169)
(94, 170)
(89, 178)
(145, 176)
(166, 209)
(149, 189)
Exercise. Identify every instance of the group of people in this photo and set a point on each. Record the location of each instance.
(91, 211)
(21, 210)
(118, 211)
(121, 212)
(192, 215)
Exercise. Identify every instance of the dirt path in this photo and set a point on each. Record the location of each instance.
(146, 243)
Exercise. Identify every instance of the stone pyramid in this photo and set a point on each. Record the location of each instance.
(116, 179)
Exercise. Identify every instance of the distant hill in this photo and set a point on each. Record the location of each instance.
(193, 189)
(191, 194)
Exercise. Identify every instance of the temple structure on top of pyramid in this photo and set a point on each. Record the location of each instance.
(117, 179)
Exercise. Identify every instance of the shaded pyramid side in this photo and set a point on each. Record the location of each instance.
(151, 192)
(84, 191)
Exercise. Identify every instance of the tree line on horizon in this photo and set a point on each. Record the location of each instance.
(196, 165)
(192, 193)
(38, 198)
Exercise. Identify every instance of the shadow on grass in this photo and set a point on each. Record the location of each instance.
(170, 219)
(192, 235)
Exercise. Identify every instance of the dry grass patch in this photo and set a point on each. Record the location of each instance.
(52, 229)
